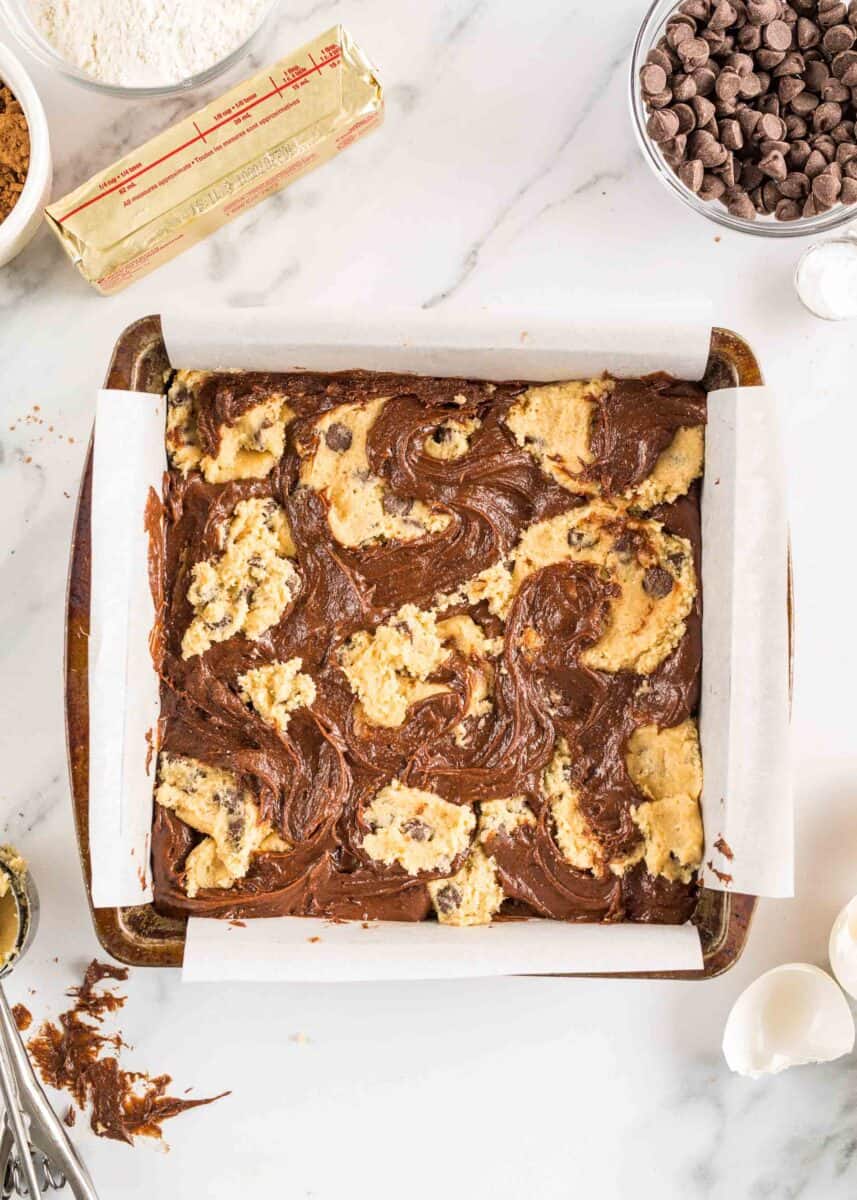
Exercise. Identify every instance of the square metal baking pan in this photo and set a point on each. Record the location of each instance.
(140, 936)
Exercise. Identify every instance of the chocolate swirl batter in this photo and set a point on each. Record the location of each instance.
(313, 781)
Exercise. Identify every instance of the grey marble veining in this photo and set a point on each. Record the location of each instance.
(505, 176)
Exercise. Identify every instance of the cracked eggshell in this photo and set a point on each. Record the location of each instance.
(792, 1015)
(843, 948)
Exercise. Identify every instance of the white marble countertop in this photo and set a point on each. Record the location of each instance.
(505, 175)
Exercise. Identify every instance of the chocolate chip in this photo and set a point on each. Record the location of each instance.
(660, 59)
(749, 37)
(448, 898)
(653, 78)
(808, 33)
(731, 135)
(799, 153)
(723, 16)
(703, 108)
(751, 176)
(691, 174)
(770, 127)
(706, 149)
(694, 53)
(835, 90)
(417, 830)
(777, 35)
(826, 189)
(338, 437)
(704, 78)
(838, 38)
(662, 125)
(825, 145)
(793, 63)
(683, 87)
(711, 187)
(795, 186)
(657, 582)
(789, 87)
(760, 12)
(768, 59)
(787, 210)
(826, 116)
(679, 31)
(739, 204)
(831, 12)
(796, 127)
(774, 165)
(816, 75)
(686, 117)
(396, 506)
(698, 9)
(844, 67)
(848, 195)
(843, 133)
(805, 103)
(728, 85)
(815, 164)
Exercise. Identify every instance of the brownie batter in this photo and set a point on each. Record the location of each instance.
(420, 645)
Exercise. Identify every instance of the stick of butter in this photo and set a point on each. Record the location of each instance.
(188, 181)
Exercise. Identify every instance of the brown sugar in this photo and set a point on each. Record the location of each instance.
(14, 151)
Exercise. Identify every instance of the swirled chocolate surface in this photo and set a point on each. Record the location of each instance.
(313, 781)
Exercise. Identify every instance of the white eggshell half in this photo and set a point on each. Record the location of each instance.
(792, 1015)
(843, 948)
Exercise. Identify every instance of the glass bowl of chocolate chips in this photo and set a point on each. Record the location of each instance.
(746, 109)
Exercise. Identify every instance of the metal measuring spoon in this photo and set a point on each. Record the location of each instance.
(35, 1152)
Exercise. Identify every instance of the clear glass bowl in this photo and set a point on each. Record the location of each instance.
(763, 226)
(17, 15)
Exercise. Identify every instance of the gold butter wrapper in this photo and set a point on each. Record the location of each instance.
(182, 185)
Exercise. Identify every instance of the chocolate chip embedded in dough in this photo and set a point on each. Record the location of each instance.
(448, 898)
(417, 830)
(338, 437)
(396, 506)
(657, 582)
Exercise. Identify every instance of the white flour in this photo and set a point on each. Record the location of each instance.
(140, 43)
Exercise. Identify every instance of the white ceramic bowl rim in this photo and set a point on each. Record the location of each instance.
(14, 75)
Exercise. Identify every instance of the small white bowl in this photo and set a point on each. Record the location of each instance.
(24, 219)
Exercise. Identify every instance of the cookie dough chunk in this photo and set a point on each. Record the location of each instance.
(247, 449)
(493, 586)
(554, 425)
(278, 690)
(675, 470)
(504, 816)
(387, 670)
(361, 508)
(470, 897)
(652, 569)
(666, 765)
(246, 588)
(211, 801)
(451, 439)
(574, 836)
(418, 830)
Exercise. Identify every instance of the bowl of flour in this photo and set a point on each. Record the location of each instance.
(138, 47)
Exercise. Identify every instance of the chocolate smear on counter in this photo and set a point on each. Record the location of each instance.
(68, 1054)
(725, 849)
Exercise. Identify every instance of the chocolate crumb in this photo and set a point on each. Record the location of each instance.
(23, 1017)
